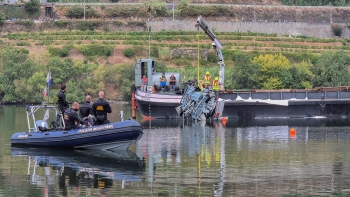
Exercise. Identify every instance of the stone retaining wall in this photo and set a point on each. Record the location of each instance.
(318, 30)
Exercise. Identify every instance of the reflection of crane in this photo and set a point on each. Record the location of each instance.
(217, 46)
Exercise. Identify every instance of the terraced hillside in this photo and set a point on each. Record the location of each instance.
(73, 42)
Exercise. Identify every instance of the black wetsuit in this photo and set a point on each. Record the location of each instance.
(85, 109)
(70, 118)
(61, 101)
(100, 108)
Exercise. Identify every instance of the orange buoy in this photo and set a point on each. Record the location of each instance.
(223, 120)
(292, 133)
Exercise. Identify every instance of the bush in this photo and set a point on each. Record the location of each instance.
(32, 6)
(78, 12)
(137, 23)
(75, 12)
(88, 25)
(187, 10)
(125, 11)
(24, 23)
(96, 50)
(128, 52)
(64, 52)
(63, 23)
(23, 43)
(212, 57)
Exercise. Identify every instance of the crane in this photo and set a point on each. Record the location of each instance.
(217, 46)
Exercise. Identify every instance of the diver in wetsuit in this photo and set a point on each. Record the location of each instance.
(71, 117)
(85, 111)
(100, 108)
(86, 108)
(61, 99)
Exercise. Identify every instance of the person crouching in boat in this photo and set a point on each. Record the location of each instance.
(100, 108)
(71, 117)
(85, 111)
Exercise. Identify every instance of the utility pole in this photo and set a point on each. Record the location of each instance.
(173, 9)
(84, 10)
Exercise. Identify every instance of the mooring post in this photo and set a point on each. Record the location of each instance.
(121, 115)
(133, 103)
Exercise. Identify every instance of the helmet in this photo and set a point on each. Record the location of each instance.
(216, 78)
(207, 73)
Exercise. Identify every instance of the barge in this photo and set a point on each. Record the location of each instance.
(319, 102)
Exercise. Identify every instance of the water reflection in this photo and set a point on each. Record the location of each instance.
(59, 171)
(259, 157)
(249, 158)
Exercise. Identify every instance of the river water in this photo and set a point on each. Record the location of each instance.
(262, 157)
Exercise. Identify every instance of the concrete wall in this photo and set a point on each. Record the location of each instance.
(318, 30)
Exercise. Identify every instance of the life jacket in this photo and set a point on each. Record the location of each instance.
(216, 85)
(207, 79)
(162, 78)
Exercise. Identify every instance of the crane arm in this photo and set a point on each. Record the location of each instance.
(217, 46)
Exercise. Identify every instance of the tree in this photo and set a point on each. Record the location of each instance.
(245, 72)
(15, 65)
(332, 69)
(2, 19)
(270, 67)
(32, 6)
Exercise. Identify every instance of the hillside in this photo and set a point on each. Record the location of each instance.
(99, 53)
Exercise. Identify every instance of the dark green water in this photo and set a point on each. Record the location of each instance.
(174, 158)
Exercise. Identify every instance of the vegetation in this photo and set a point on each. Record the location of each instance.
(78, 12)
(253, 60)
(185, 9)
(316, 2)
(2, 19)
(32, 6)
(128, 52)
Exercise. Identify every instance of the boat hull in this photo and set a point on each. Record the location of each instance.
(157, 106)
(262, 105)
(114, 136)
(294, 109)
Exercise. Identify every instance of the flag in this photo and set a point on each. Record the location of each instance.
(46, 116)
(48, 79)
(45, 93)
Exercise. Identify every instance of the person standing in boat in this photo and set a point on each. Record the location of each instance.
(71, 117)
(172, 82)
(162, 80)
(61, 99)
(207, 80)
(100, 108)
(85, 110)
(144, 83)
